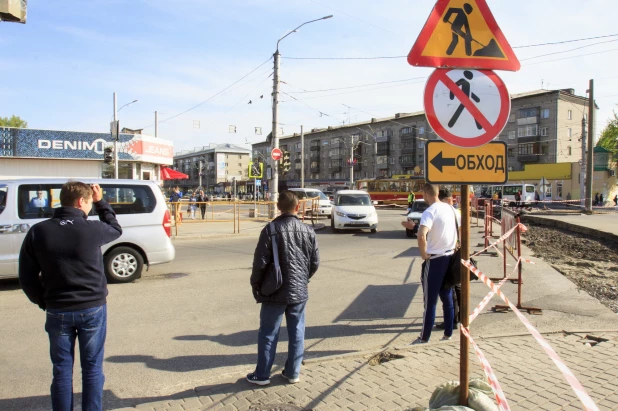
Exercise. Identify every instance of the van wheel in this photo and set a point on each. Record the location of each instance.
(123, 265)
(374, 230)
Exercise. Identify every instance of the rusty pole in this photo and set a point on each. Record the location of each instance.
(520, 280)
(464, 310)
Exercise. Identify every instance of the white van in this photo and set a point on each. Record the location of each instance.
(325, 204)
(139, 205)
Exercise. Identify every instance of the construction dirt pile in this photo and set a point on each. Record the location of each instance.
(590, 263)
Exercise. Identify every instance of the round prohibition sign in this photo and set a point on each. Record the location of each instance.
(466, 108)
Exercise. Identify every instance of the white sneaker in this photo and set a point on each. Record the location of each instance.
(419, 341)
(445, 338)
(290, 380)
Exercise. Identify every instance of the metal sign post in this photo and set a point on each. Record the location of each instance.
(464, 309)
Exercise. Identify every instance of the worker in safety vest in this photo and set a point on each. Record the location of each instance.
(411, 197)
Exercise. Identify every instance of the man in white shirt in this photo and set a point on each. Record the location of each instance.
(437, 239)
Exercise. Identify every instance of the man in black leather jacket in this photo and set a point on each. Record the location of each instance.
(299, 259)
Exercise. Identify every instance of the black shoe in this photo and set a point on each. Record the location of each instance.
(442, 327)
(258, 381)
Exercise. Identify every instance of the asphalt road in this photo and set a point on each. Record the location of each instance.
(186, 323)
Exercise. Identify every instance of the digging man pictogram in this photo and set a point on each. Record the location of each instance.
(461, 28)
(464, 84)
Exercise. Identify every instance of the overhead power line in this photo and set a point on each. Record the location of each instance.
(399, 57)
(214, 95)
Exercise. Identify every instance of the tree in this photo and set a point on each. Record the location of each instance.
(14, 121)
(609, 136)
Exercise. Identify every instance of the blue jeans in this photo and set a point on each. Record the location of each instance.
(90, 328)
(432, 276)
(271, 316)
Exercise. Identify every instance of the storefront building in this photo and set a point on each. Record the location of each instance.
(51, 153)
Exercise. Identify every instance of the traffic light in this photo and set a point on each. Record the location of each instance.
(108, 155)
(285, 163)
(256, 169)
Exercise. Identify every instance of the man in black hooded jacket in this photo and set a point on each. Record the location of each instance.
(299, 259)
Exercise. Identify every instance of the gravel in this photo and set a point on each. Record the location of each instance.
(590, 263)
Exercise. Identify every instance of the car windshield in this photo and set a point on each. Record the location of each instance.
(317, 193)
(419, 206)
(353, 200)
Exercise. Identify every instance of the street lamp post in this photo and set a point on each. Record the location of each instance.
(117, 136)
(275, 138)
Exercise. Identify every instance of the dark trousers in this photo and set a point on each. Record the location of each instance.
(432, 276)
(456, 300)
(203, 210)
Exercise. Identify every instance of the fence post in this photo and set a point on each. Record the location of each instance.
(503, 231)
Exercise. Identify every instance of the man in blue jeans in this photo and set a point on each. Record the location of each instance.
(299, 259)
(61, 271)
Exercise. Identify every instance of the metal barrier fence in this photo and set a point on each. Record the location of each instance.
(234, 212)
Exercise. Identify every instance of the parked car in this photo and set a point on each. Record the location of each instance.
(325, 204)
(353, 210)
(415, 215)
(140, 208)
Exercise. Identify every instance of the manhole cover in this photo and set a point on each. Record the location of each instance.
(276, 407)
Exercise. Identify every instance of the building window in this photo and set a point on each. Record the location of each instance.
(570, 132)
(528, 112)
(405, 130)
(407, 159)
(239, 156)
(511, 152)
(544, 131)
(393, 147)
(392, 160)
(355, 138)
(512, 118)
(528, 131)
(239, 164)
(530, 148)
(421, 130)
(421, 144)
(570, 150)
(334, 152)
(335, 140)
(226, 164)
(570, 115)
(545, 113)
(512, 135)
(227, 156)
(365, 163)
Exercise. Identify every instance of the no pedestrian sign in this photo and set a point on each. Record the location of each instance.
(467, 108)
(463, 33)
(447, 164)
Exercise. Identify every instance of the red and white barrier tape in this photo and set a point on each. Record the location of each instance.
(489, 372)
(504, 237)
(579, 390)
(486, 301)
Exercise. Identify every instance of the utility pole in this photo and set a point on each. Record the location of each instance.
(375, 155)
(302, 157)
(352, 166)
(582, 167)
(199, 170)
(157, 124)
(116, 137)
(590, 164)
(274, 184)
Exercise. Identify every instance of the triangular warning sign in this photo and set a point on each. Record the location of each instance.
(463, 34)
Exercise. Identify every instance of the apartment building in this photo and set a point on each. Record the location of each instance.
(220, 165)
(544, 127)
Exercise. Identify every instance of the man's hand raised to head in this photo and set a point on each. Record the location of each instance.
(97, 193)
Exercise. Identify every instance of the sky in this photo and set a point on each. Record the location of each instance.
(59, 71)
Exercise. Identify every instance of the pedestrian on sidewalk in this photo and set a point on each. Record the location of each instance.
(202, 199)
(437, 239)
(61, 270)
(446, 196)
(192, 205)
(299, 259)
(601, 202)
(596, 199)
(616, 201)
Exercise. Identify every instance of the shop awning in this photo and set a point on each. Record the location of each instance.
(169, 174)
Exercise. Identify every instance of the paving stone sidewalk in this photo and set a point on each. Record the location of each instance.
(530, 380)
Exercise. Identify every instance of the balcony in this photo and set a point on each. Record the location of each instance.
(382, 166)
(523, 140)
(315, 169)
(529, 158)
(383, 151)
(357, 167)
(527, 120)
(408, 150)
(315, 147)
(408, 163)
(335, 168)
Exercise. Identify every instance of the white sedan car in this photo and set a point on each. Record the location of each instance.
(353, 210)
(415, 216)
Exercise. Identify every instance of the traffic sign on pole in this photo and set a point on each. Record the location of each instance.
(463, 33)
(447, 164)
(467, 108)
(276, 154)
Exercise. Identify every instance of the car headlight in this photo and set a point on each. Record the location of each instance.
(340, 214)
